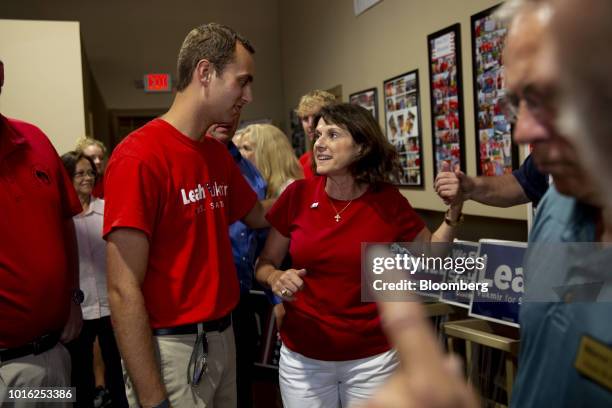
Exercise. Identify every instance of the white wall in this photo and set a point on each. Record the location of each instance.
(43, 81)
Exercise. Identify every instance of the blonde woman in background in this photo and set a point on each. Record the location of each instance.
(268, 148)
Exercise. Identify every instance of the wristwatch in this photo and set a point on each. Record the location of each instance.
(78, 296)
(450, 222)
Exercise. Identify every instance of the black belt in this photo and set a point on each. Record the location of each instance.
(38, 346)
(210, 326)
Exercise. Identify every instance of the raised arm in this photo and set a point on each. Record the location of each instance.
(497, 191)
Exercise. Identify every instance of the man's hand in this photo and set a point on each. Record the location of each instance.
(453, 187)
(426, 378)
(73, 326)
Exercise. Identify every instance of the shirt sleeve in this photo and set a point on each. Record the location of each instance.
(279, 215)
(409, 222)
(132, 196)
(242, 197)
(533, 183)
(71, 205)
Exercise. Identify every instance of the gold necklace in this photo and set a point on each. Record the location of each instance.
(337, 216)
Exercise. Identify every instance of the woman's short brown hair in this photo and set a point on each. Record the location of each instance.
(378, 161)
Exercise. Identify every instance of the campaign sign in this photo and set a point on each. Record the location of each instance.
(503, 273)
(461, 298)
(431, 275)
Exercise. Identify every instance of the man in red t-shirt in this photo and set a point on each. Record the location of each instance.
(308, 108)
(38, 260)
(171, 193)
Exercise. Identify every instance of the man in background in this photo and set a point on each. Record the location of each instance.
(307, 110)
(246, 245)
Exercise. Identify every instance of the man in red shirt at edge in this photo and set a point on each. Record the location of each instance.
(38, 261)
(171, 193)
(308, 108)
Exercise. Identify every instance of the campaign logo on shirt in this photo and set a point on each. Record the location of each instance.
(216, 192)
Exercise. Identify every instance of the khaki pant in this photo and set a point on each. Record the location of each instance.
(218, 385)
(48, 369)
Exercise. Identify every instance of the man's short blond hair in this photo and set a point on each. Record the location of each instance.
(313, 101)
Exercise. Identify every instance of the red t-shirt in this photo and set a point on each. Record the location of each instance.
(182, 194)
(306, 162)
(36, 200)
(328, 320)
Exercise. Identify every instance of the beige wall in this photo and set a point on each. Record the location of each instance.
(323, 44)
(43, 77)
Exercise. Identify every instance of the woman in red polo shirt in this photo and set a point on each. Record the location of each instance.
(334, 350)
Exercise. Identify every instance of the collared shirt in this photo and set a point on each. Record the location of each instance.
(246, 243)
(551, 331)
(37, 202)
(92, 260)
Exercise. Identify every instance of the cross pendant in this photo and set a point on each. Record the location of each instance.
(337, 217)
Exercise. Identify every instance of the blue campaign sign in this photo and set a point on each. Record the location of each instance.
(430, 275)
(461, 298)
(503, 274)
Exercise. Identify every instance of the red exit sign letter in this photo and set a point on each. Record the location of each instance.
(157, 83)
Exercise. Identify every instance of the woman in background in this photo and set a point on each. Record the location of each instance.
(92, 277)
(268, 148)
(96, 151)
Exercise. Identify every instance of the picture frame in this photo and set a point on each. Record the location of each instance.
(402, 104)
(368, 99)
(496, 153)
(446, 97)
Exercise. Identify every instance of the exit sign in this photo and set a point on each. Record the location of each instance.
(157, 83)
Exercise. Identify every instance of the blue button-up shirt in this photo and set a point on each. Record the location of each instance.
(246, 243)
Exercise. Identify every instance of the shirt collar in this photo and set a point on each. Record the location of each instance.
(96, 205)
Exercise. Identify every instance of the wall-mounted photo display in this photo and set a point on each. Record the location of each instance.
(403, 125)
(446, 88)
(367, 99)
(496, 154)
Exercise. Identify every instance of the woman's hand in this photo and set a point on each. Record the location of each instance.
(286, 284)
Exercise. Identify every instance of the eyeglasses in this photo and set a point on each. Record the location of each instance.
(82, 174)
(540, 104)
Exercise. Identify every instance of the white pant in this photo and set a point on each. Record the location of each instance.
(310, 383)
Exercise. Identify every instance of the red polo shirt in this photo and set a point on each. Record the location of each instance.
(328, 320)
(36, 199)
(182, 194)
